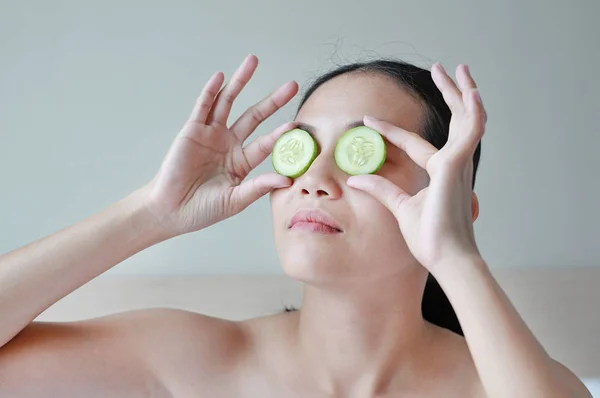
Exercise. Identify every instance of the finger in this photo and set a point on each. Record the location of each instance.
(447, 87)
(464, 78)
(476, 117)
(256, 114)
(469, 91)
(259, 149)
(232, 89)
(415, 146)
(382, 189)
(207, 98)
(250, 191)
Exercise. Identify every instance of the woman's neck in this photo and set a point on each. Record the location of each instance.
(359, 338)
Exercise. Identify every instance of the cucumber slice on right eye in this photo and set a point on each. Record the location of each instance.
(360, 150)
(293, 153)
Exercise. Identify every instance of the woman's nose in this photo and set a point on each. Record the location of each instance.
(321, 180)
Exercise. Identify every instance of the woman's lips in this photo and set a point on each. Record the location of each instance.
(315, 220)
(314, 227)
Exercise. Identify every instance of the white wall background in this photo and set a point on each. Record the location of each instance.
(92, 94)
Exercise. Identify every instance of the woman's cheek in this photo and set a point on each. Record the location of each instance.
(371, 211)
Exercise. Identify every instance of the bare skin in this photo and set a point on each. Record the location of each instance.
(359, 332)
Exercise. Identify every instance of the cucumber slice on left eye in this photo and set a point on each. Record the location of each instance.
(293, 153)
(360, 150)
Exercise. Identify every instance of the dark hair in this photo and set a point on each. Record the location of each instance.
(435, 306)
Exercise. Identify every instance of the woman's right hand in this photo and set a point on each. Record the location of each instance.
(200, 181)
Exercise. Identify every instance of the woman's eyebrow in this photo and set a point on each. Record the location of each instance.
(312, 129)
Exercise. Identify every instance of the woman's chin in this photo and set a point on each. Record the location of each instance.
(314, 263)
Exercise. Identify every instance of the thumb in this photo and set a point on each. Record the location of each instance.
(382, 189)
(253, 189)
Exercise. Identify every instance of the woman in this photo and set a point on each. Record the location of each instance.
(364, 247)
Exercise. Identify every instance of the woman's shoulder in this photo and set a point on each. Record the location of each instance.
(199, 336)
(196, 352)
(268, 335)
(190, 351)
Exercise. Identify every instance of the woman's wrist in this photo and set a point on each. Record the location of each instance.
(146, 230)
(454, 269)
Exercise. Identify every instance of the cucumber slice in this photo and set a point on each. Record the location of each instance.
(294, 152)
(360, 150)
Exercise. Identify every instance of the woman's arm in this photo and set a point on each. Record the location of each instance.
(437, 224)
(200, 182)
(158, 352)
(509, 359)
(34, 277)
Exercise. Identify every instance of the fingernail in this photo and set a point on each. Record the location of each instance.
(351, 181)
(371, 118)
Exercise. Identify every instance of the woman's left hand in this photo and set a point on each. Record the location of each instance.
(437, 222)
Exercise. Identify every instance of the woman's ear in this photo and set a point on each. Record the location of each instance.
(474, 206)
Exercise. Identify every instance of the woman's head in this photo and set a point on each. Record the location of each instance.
(371, 247)
(415, 81)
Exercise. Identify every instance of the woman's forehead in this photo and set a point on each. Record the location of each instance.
(344, 100)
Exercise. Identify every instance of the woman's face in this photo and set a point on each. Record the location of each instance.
(370, 246)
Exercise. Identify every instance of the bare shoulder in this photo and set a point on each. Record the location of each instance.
(169, 330)
(268, 333)
(152, 352)
(191, 352)
(576, 387)
(458, 369)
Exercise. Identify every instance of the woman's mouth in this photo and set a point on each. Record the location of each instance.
(314, 220)
(314, 227)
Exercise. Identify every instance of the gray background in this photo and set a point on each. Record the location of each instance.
(93, 93)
